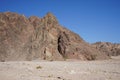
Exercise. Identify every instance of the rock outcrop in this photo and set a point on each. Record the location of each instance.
(111, 49)
(32, 38)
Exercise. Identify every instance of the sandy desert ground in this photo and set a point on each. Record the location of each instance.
(61, 70)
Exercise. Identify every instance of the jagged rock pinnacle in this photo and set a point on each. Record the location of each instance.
(50, 18)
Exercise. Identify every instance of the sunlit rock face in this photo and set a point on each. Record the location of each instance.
(111, 49)
(33, 38)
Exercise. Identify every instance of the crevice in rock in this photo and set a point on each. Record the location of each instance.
(61, 45)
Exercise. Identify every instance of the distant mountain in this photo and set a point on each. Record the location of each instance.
(33, 38)
(111, 49)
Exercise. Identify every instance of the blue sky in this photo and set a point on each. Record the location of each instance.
(93, 20)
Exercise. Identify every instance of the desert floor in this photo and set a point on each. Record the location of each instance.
(61, 70)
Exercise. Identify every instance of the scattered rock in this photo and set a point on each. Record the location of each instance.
(72, 72)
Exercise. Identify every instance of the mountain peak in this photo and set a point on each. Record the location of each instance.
(50, 18)
(49, 14)
(32, 38)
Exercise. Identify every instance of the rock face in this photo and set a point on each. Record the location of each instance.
(32, 38)
(108, 48)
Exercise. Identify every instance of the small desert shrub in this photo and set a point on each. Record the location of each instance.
(2, 60)
(93, 57)
(50, 76)
(38, 67)
(65, 58)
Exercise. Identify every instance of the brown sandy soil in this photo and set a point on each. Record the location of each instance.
(61, 70)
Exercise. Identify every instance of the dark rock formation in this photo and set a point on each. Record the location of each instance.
(111, 49)
(32, 38)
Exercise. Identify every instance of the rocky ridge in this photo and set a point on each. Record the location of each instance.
(44, 38)
(111, 49)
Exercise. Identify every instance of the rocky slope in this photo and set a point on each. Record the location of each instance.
(32, 38)
(111, 49)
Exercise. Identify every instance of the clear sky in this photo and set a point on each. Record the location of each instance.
(93, 20)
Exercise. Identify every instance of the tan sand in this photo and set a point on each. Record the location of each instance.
(61, 70)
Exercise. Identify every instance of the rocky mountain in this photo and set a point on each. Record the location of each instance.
(111, 49)
(44, 38)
